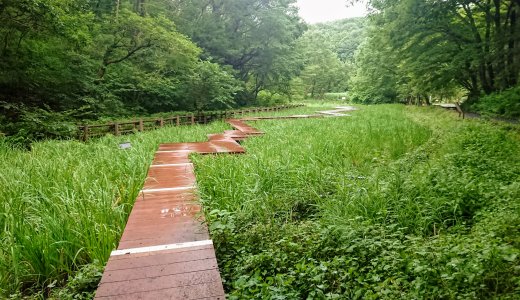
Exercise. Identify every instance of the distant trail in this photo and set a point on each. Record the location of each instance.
(166, 251)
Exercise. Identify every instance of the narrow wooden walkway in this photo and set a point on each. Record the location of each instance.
(165, 251)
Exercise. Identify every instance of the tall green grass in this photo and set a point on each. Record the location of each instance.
(64, 205)
(299, 163)
(394, 202)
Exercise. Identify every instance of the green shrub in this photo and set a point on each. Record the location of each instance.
(336, 96)
(268, 98)
(504, 104)
(35, 124)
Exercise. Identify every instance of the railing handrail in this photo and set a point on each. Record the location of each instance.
(191, 119)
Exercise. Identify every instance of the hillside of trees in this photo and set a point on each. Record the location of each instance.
(69, 61)
(441, 49)
(81, 60)
(327, 51)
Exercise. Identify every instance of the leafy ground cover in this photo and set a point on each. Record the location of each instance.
(394, 202)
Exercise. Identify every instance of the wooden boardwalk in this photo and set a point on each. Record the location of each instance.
(166, 251)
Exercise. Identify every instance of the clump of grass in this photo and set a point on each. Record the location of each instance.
(394, 202)
(64, 205)
(300, 164)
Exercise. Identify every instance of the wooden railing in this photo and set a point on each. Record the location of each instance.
(118, 128)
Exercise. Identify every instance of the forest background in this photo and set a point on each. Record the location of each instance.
(64, 62)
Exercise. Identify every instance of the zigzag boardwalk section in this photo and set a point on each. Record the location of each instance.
(165, 251)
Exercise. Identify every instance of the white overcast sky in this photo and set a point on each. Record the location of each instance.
(318, 11)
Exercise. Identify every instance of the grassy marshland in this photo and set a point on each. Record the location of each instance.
(64, 205)
(394, 202)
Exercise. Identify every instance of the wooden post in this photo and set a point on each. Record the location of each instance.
(141, 125)
(461, 113)
(85, 133)
(178, 120)
(116, 129)
(192, 119)
(205, 119)
(161, 122)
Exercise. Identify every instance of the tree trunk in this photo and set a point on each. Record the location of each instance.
(313, 87)
(117, 8)
(501, 56)
(139, 7)
(480, 46)
(511, 62)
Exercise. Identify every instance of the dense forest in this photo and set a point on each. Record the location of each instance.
(70, 60)
(441, 49)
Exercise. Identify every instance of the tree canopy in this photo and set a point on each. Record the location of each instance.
(440, 49)
(111, 58)
(125, 57)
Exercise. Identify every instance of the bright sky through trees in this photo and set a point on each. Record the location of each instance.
(318, 11)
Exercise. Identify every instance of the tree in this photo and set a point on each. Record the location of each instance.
(98, 57)
(376, 72)
(326, 53)
(447, 45)
(211, 88)
(255, 37)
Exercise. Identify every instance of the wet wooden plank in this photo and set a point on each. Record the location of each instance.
(164, 269)
(170, 158)
(170, 177)
(241, 126)
(140, 260)
(227, 146)
(150, 238)
(150, 284)
(212, 290)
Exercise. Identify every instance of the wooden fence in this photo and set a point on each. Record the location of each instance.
(118, 128)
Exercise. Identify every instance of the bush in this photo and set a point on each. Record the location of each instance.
(34, 124)
(504, 104)
(268, 98)
(336, 96)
